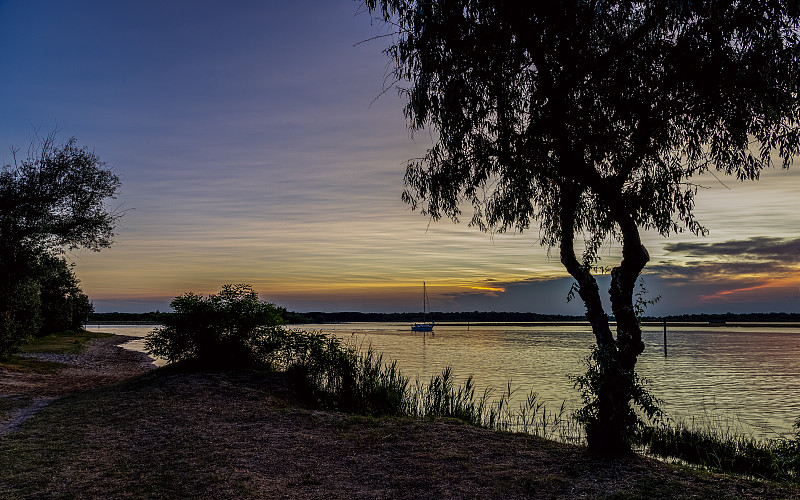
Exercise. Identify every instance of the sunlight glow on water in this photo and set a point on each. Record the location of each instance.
(750, 374)
(747, 374)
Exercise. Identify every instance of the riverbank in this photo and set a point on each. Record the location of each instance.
(164, 433)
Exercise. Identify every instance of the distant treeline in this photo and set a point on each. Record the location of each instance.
(118, 317)
(291, 317)
(440, 317)
(728, 318)
(155, 317)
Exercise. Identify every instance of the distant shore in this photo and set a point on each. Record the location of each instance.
(476, 317)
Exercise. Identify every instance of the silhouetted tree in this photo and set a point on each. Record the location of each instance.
(229, 329)
(52, 201)
(589, 119)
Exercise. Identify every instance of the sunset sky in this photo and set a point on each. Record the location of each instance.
(255, 145)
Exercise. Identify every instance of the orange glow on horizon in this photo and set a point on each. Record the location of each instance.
(488, 289)
(728, 294)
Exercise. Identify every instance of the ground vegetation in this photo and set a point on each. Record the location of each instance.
(107, 425)
(229, 329)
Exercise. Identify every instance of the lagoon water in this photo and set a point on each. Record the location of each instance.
(747, 377)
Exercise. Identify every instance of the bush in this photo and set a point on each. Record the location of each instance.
(20, 316)
(64, 305)
(231, 329)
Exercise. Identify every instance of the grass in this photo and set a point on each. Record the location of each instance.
(715, 445)
(323, 372)
(67, 343)
(335, 375)
(17, 363)
(70, 342)
(441, 397)
(80, 430)
(11, 403)
(341, 377)
(177, 434)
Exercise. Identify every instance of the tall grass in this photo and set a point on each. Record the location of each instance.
(333, 374)
(716, 444)
(442, 397)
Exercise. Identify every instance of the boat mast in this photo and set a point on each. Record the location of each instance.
(424, 301)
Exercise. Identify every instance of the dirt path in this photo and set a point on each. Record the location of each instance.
(24, 394)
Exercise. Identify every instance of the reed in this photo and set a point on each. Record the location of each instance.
(356, 379)
(334, 374)
(719, 444)
(441, 397)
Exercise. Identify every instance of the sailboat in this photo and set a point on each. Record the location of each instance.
(425, 326)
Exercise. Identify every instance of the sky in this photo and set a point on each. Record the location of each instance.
(256, 144)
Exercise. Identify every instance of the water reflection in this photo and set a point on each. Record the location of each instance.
(751, 374)
(139, 331)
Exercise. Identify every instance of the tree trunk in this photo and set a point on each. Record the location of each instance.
(588, 290)
(615, 393)
(613, 386)
(623, 282)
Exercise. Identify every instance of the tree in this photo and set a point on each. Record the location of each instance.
(590, 118)
(230, 329)
(50, 202)
(55, 198)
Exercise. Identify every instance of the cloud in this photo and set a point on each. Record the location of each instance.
(786, 250)
(545, 296)
(693, 270)
(761, 256)
(761, 273)
(758, 274)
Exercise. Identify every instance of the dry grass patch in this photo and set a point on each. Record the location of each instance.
(195, 435)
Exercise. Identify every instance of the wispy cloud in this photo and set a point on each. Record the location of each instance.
(250, 146)
(759, 256)
(759, 269)
(764, 248)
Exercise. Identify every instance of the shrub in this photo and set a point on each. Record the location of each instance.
(64, 305)
(231, 329)
(20, 318)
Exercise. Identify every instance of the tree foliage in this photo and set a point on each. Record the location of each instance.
(589, 120)
(64, 306)
(55, 198)
(50, 202)
(230, 329)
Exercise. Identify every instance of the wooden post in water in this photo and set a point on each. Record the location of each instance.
(665, 338)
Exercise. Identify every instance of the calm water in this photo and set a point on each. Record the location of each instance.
(748, 374)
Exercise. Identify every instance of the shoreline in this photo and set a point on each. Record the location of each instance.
(104, 362)
(243, 435)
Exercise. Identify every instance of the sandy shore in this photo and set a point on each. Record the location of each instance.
(103, 363)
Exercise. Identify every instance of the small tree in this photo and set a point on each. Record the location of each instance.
(231, 329)
(591, 118)
(50, 202)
